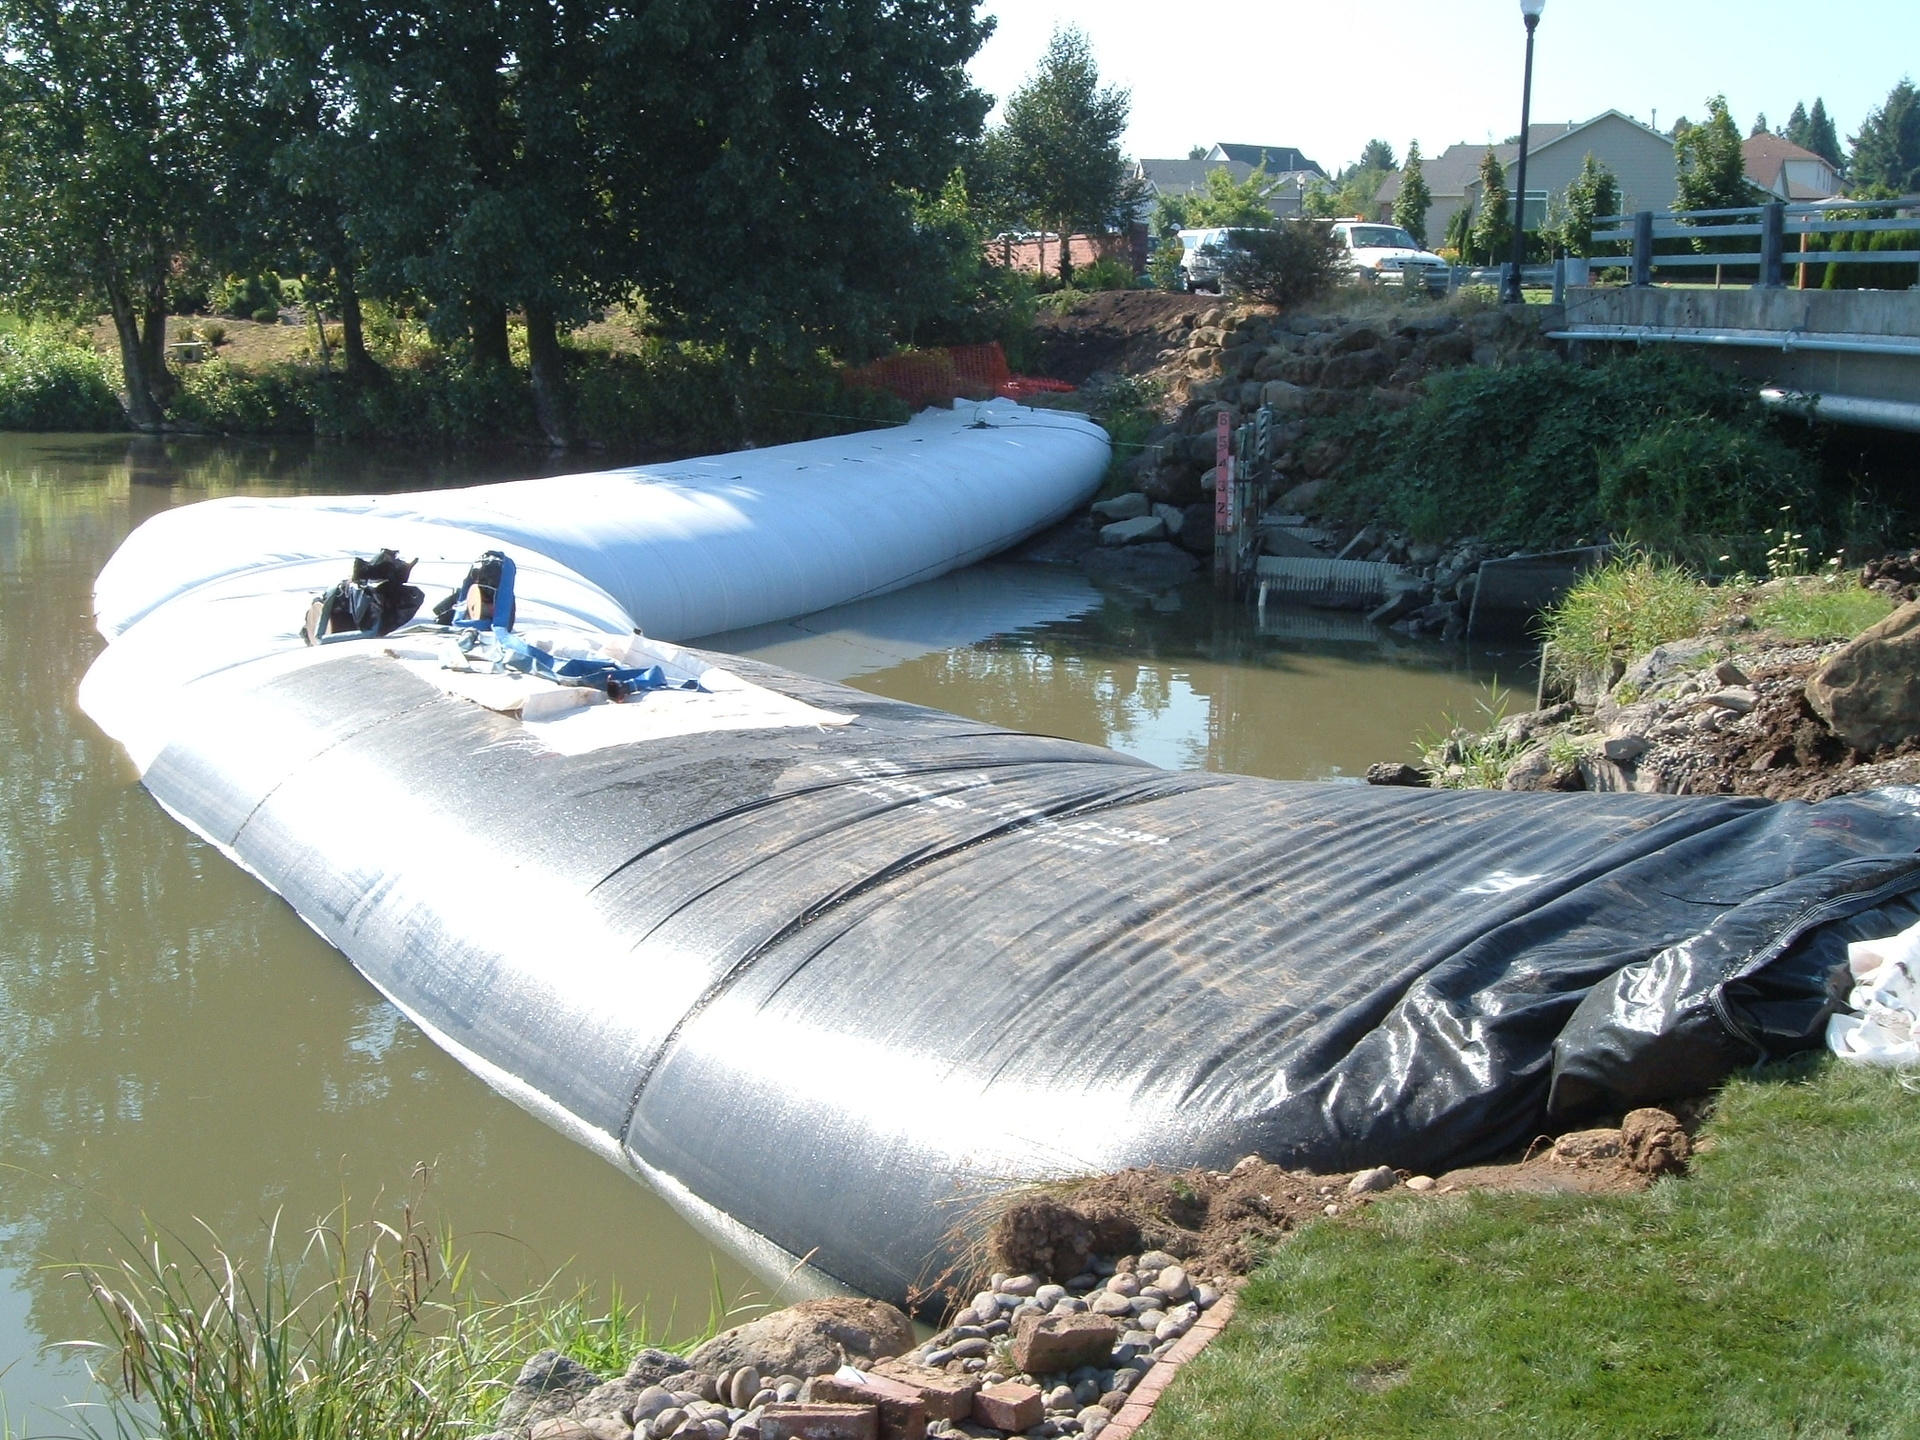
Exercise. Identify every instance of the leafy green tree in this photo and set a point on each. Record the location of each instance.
(112, 118)
(1234, 203)
(1410, 206)
(1797, 124)
(1592, 193)
(1886, 152)
(1759, 125)
(1712, 172)
(1493, 226)
(1061, 142)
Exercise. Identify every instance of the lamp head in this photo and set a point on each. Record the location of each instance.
(1531, 9)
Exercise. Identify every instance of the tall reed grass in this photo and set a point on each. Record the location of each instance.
(359, 1329)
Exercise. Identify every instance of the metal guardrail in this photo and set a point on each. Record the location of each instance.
(1771, 224)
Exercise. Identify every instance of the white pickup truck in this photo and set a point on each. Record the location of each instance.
(1387, 251)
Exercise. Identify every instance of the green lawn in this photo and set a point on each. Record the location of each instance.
(1775, 1293)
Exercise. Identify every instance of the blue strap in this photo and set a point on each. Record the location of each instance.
(530, 659)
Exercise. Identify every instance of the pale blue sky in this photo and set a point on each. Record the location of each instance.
(1328, 76)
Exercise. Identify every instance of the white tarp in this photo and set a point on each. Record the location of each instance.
(1885, 1026)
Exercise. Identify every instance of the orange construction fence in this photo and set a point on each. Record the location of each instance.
(937, 377)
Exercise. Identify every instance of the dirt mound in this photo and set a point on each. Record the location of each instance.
(1125, 331)
(1218, 1222)
(1782, 750)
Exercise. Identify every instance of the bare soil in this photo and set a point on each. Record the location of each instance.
(1129, 332)
(1219, 1222)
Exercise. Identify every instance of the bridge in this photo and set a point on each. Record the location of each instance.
(1845, 355)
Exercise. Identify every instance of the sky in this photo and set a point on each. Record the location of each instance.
(1329, 77)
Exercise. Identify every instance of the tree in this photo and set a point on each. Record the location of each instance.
(1377, 155)
(1459, 236)
(1410, 206)
(112, 113)
(1224, 201)
(1886, 152)
(1196, 152)
(1796, 126)
(1712, 171)
(1822, 138)
(1592, 193)
(1061, 142)
(1759, 125)
(1493, 227)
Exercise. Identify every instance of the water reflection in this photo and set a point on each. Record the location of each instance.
(178, 1045)
(1168, 673)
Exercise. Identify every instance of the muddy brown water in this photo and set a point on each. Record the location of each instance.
(177, 1048)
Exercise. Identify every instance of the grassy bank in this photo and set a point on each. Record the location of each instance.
(1648, 446)
(646, 392)
(1623, 609)
(1771, 1294)
(358, 1327)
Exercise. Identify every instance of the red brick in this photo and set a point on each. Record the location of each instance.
(1054, 1344)
(1009, 1406)
(903, 1414)
(820, 1422)
(947, 1397)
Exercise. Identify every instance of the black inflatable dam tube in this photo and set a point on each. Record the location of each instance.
(829, 987)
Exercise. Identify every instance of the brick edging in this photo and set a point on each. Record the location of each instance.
(1141, 1400)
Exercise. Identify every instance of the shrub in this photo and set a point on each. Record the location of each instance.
(1294, 262)
(50, 382)
(1693, 485)
(1106, 273)
(1514, 454)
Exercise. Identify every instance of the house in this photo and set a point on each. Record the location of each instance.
(1278, 159)
(1188, 177)
(1787, 172)
(1640, 157)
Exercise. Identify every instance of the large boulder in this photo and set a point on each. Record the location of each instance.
(815, 1337)
(1869, 691)
(1130, 506)
(1137, 531)
(1354, 368)
(548, 1385)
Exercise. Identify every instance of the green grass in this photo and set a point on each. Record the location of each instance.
(357, 1328)
(1631, 604)
(1820, 609)
(1625, 608)
(1772, 1294)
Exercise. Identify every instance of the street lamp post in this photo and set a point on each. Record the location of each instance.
(1530, 12)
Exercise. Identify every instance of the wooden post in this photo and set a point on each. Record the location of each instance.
(1643, 247)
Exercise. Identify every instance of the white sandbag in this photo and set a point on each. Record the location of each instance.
(1885, 1026)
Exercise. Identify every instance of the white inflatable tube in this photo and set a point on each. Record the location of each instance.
(687, 549)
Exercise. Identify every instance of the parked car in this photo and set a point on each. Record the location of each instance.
(1204, 258)
(1387, 251)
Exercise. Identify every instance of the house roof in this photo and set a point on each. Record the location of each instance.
(1186, 177)
(1277, 158)
(1766, 156)
(1458, 168)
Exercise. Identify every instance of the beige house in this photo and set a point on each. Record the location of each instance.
(1640, 157)
(1786, 171)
